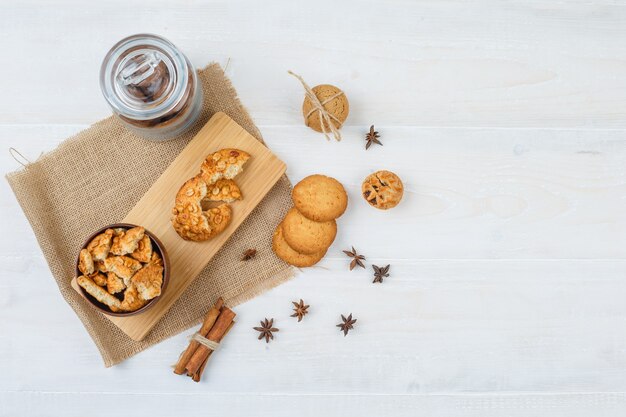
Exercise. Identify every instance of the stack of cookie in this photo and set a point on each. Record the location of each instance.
(309, 228)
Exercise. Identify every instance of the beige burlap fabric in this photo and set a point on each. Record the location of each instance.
(96, 177)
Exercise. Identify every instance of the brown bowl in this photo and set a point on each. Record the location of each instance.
(156, 245)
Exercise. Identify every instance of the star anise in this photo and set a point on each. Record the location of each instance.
(380, 273)
(266, 330)
(372, 137)
(356, 258)
(346, 326)
(300, 309)
(249, 254)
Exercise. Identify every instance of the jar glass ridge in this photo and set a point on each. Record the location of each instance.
(151, 86)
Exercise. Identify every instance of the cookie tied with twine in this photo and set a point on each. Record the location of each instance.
(325, 108)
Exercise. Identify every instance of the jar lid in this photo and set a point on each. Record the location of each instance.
(144, 76)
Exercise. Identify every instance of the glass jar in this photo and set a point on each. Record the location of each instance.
(151, 86)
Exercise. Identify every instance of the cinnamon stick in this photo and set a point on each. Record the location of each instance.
(209, 321)
(196, 377)
(215, 334)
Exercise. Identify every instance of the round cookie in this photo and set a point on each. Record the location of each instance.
(307, 236)
(285, 252)
(382, 189)
(188, 218)
(320, 198)
(338, 107)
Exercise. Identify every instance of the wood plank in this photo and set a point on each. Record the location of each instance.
(471, 193)
(79, 404)
(430, 63)
(473, 323)
(432, 327)
(153, 211)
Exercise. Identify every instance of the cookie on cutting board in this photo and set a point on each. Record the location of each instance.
(320, 198)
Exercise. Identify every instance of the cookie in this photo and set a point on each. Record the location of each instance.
(382, 189)
(225, 163)
(114, 284)
(156, 259)
(192, 220)
(218, 218)
(334, 103)
(127, 241)
(122, 266)
(285, 252)
(143, 253)
(320, 198)
(223, 190)
(98, 292)
(132, 300)
(99, 278)
(85, 262)
(100, 245)
(188, 218)
(305, 235)
(99, 267)
(148, 281)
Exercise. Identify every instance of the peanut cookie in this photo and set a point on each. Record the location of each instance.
(188, 218)
(114, 283)
(225, 163)
(333, 101)
(289, 255)
(218, 218)
(305, 235)
(127, 241)
(99, 267)
(156, 259)
(123, 266)
(320, 198)
(148, 281)
(100, 245)
(85, 262)
(98, 292)
(132, 300)
(223, 190)
(143, 253)
(99, 278)
(382, 189)
(188, 198)
(214, 183)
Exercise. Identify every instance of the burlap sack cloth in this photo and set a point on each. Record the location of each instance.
(96, 177)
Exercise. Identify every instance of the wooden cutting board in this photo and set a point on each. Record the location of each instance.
(186, 258)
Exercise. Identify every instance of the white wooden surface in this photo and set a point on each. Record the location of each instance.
(506, 121)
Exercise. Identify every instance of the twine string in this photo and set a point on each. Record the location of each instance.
(328, 100)
(325, 117)
(16, 155)
(204, 341)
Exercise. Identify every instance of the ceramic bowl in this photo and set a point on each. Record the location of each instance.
(156, 246)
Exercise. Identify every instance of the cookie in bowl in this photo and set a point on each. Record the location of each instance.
(122, 269)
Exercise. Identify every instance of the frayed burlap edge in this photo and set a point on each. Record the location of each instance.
(69, 295)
